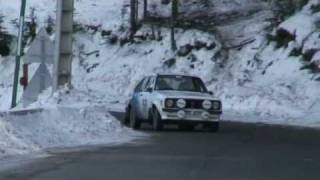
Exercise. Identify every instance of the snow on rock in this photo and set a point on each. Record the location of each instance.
(303, 24)
(316, 58)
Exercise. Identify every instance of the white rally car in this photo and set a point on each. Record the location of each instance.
(182, 100)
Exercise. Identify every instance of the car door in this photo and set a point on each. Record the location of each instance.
(136, 102)
(148, 97)
(143, 101)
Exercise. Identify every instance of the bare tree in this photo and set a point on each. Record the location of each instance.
(174, 17)
(145, 9)
(133, 18)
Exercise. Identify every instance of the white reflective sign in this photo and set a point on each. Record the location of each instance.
(41, 49)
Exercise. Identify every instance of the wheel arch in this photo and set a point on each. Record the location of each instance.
(155, 105)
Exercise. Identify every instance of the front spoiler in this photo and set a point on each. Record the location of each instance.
(191, 115)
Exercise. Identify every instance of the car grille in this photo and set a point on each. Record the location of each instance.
(194, 104)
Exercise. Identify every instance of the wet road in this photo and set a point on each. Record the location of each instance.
(238, 151)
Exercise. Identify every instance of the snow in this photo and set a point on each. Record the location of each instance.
(316, 58)
(6, 78)
(301, 25)
(267, 88)
(60, 127)
(257, 82)
(80, 120)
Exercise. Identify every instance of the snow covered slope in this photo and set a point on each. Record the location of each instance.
(258, 82)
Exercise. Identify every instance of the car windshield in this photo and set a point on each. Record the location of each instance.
(180, 83)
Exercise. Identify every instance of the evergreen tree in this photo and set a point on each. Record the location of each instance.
(175, 13)
(4, 40)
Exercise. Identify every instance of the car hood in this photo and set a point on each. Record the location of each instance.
(184, 94)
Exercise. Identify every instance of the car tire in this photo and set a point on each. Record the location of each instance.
(156, 120)
(213, 127)
(133, 120)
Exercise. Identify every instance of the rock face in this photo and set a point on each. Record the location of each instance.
(170, 62)
(184, 50)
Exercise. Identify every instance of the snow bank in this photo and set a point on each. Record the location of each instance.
(60, 127)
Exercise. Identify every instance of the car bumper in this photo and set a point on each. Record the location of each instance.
(190, 115)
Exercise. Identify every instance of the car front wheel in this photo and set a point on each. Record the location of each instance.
(134, 121)
(156, 120)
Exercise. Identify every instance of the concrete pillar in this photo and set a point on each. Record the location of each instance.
(63, 44)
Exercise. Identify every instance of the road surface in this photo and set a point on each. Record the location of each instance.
(238, 151)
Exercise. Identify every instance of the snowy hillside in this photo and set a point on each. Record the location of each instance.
(243, 59)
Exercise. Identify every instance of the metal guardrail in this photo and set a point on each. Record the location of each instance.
(21, 112)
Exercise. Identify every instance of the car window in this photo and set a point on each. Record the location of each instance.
(139, 86)
(180, 83)
(145, 84)
(150, 83)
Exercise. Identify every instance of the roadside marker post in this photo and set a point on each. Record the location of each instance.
(41, 51)
(18, 55)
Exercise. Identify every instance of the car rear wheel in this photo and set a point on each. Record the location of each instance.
(134, 121)
(156, 120)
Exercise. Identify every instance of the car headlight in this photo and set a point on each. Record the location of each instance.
(169, 103)
(216, 105)
(181, 103)
(207, 104)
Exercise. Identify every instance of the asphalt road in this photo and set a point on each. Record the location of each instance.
(237, 152)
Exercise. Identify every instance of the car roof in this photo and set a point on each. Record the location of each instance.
(163, 74)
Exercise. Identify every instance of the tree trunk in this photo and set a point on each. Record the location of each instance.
(145, 9)
(133, 22)
(137, 11)
(174, 16)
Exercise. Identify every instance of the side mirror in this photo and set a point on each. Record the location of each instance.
(149, 89)
(211, 93)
